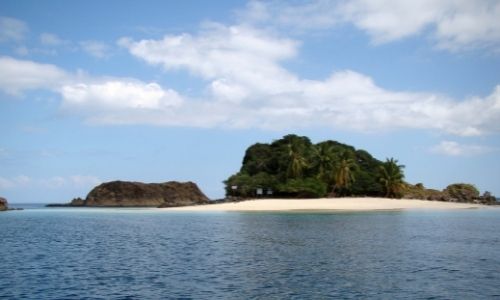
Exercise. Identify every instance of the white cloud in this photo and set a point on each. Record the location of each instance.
(248, 87)
(12, 29)
(95, 48)
(101, 99)
(452, 148)
(454, 25)
(118, 101)
(386, 21)
(237, 53)
(50, 39)
(469, 24)
(19, 75)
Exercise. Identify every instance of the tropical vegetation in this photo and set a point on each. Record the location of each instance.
(295, 167)
(391, 177)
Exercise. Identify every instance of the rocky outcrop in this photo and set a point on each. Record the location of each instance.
(138, 194)
(3, 204)
(75, 202)
(458, 192)
(418, 191)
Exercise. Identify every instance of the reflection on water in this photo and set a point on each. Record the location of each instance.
(116, 253)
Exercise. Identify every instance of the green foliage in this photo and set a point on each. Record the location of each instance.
(462, 192)
(257, 159)
(323, 160)
(294, 167)
(367, 182)
(391, 176)
(247, 185)
(344, 169)
(297, 159)
(303, 188)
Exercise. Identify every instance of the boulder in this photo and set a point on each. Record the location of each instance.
(3, 204)
(138, 194)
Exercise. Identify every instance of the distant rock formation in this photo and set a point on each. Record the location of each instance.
(3, 204)
(458, 192)
(138, 194)
(74, 203)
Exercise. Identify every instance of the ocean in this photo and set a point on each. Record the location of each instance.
(85, 253)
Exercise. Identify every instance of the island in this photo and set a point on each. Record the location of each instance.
(138, 194)
(292, 173)
(294, 167)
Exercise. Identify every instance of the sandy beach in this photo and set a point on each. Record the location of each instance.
(327, 204)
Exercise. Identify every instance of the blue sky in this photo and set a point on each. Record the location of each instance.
(93, 91)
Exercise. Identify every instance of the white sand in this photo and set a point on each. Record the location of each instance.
(327, 204)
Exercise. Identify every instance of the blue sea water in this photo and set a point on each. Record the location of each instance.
(84, 253)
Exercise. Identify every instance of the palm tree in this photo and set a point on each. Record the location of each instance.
(391, 177)
(323, 158)
(297, 162)
(344, 172)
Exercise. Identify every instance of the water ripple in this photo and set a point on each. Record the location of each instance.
(54, 254)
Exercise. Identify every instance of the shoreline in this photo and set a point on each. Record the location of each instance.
(326, 205)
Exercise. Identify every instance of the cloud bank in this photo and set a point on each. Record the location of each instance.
(453, 25)
(21, 75)
(247, 87)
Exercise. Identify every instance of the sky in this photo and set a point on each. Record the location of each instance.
(153, 91)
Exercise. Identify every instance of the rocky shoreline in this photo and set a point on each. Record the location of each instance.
(138, 194)
(459, 192)
(178, 194)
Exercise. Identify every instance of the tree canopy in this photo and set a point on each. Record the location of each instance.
(391, 176)
(294, 167)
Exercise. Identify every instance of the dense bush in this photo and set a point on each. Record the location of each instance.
(294, 167)
(462, 192)
(302, 188)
